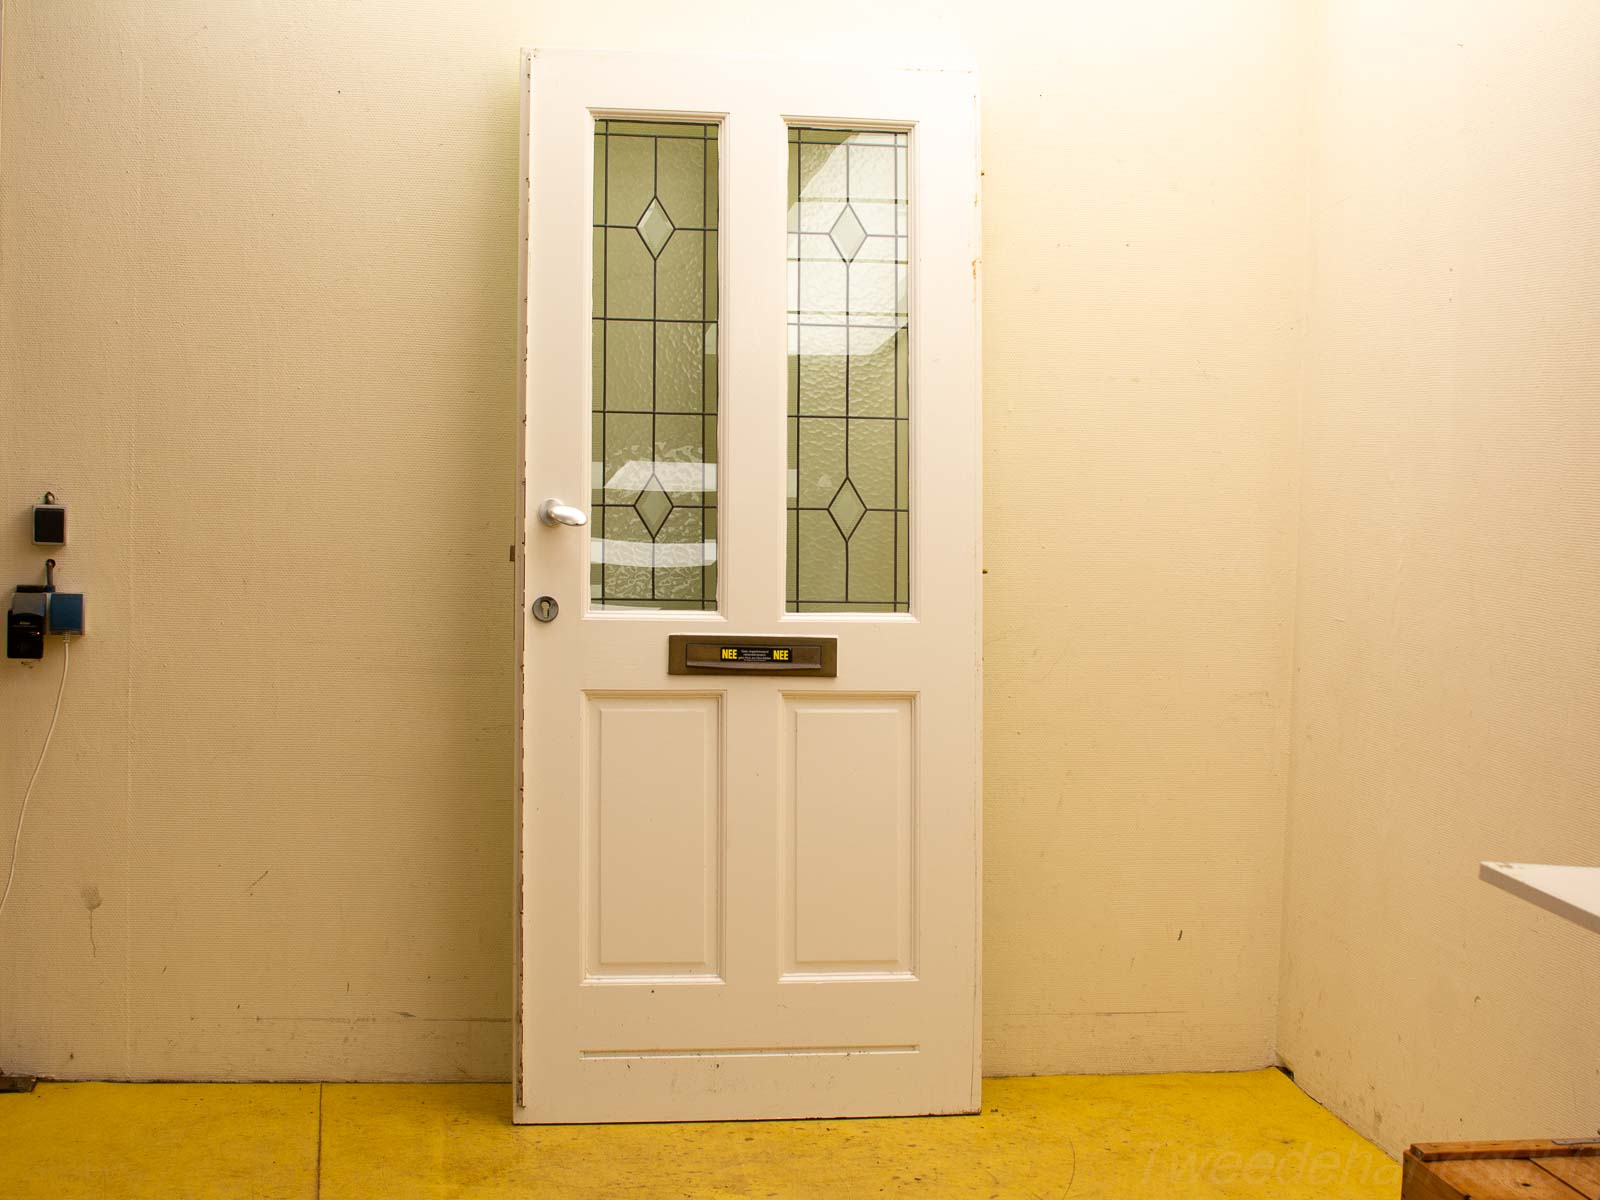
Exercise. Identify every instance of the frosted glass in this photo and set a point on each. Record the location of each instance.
(822, 359)
(681, 179)
(849, 530)
(873, 463)
(820, 444)
(680, 366)
(629, 365)
(654, 374)
(681, 277)
(872, 372)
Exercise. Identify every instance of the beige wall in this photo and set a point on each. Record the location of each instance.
(257, 297)
(1144, 246)
(1446, 705)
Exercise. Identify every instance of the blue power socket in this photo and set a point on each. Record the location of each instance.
(66, 613)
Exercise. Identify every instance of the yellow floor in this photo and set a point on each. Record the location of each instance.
(1084, 1137)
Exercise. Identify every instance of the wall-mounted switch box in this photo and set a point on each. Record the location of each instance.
(66, 613)
(49, 524)
(25, 623)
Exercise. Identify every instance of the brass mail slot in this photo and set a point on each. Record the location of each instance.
(694, 655)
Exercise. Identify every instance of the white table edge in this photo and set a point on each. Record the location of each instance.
(1571, 892)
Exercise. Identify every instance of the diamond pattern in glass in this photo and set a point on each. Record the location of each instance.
(655, 227)
(653, 505)
(847, 234)
(847, 508)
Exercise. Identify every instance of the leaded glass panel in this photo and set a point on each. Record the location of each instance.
(849, 538)
(654, 404)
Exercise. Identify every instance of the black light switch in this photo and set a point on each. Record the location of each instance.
(49, 524)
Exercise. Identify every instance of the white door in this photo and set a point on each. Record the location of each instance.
(749, 889)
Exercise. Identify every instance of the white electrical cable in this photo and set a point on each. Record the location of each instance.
(16, 842)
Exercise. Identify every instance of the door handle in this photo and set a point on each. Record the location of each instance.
(554, 512)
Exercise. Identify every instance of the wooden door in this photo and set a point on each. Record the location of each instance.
(752, 370)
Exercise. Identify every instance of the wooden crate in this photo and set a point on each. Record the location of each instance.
(1534, 1170)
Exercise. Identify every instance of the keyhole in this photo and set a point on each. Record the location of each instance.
(545, 609)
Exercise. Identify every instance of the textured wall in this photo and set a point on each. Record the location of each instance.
(258, 264)
(256, 271)
(1446, 701)
(1144, 249)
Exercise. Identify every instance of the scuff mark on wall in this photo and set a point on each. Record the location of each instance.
(91, 901)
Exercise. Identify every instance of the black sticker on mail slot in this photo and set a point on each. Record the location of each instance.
(757, 654)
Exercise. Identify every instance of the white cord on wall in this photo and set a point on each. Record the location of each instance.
(16, 842)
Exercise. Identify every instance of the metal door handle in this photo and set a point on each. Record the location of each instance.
(554, 512)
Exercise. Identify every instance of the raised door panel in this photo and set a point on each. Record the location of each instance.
(848, 835)
(654, 837)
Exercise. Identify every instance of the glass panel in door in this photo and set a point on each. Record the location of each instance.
(849, 520)
(654, 362)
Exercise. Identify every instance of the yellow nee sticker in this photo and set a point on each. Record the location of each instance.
(757, 654)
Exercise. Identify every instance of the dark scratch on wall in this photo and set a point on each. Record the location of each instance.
(91, 900)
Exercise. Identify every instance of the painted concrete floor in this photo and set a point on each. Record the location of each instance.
(1085, 1137)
